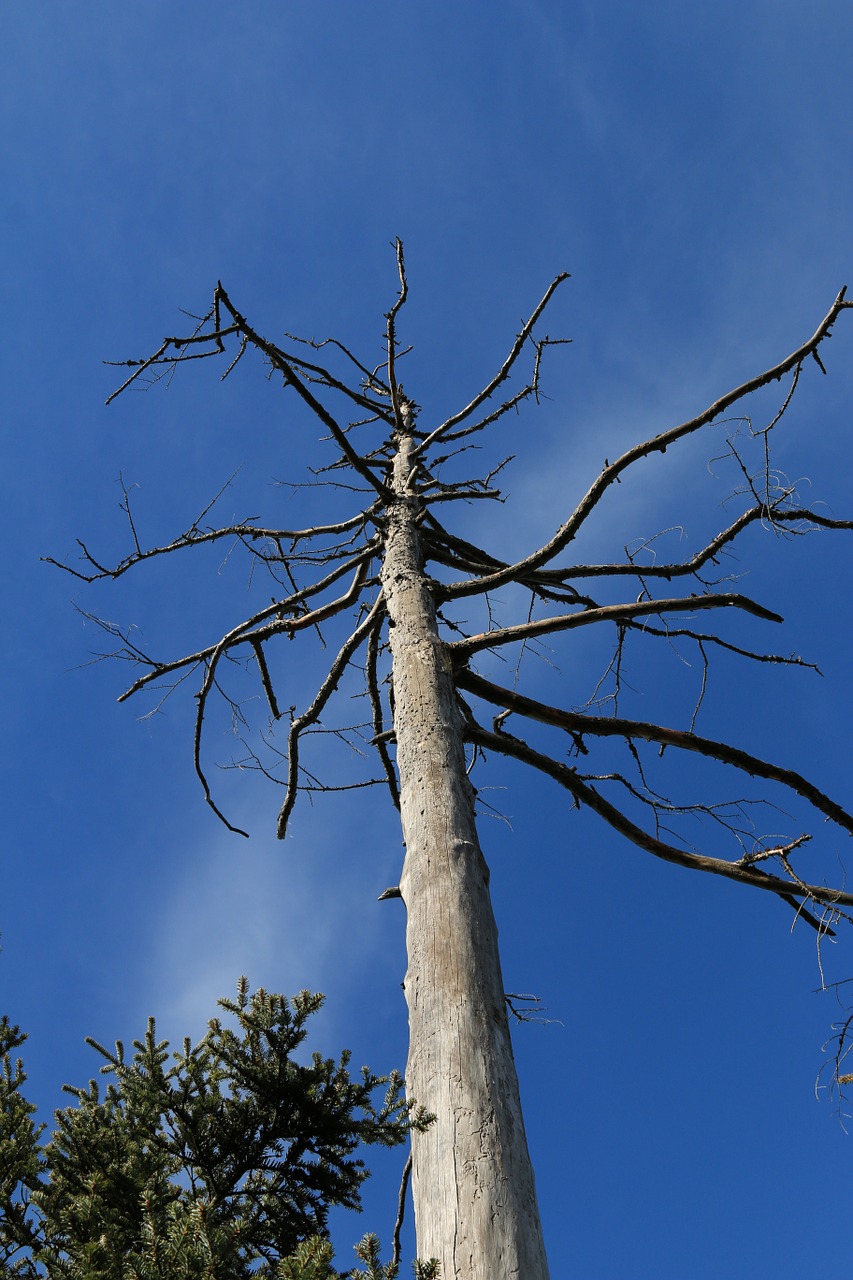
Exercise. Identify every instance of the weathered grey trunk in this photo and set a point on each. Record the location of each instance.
(473, 1187)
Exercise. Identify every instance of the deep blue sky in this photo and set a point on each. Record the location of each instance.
(691, 167)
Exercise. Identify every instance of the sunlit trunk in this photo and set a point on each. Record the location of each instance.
(473, 1187)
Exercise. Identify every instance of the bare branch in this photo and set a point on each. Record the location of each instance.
(607, 613)
(611, 471)
(606, 726)
(279, 361)
(503, 372)
(673, 570)
(451, 494)
(702, 637)
(813, 517)
(376, 709)
(228, 641)
(508, 745)
(435, 535)
(397, 401)
(529, 389)
(160, 357)
(265, 679)
(250, 632)
(535, 1008)
(316, 373)
(312, 715)
(401, 1209)
(246, 531)
(370, 375)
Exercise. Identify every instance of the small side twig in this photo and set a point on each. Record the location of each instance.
(401, 1211)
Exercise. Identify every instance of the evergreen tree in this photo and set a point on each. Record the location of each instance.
(217, 1161)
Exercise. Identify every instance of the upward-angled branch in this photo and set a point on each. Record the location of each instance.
(279, 361)
(250, 632)
(657, 444)
(772, 515)
(502, 374)
(238, 636)
(618, 613)
(397, 402)
(312, 715)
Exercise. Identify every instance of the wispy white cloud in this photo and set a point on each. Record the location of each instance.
(286, 915)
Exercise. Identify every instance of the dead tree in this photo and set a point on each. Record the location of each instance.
(399, 572)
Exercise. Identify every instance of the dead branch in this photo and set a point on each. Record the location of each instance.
(401, 1209)
(300, 723)
(610, 726)
(369, 376)
(234, 637)
(376, 710)
(618, 613)
(159, 356)
(398, 403)
(760, 513)
(501, 375)
(704, 637)
(612, 471)
(250, 632)
(245, 531)
(505, 744)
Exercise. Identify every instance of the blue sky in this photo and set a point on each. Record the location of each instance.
(691, 167)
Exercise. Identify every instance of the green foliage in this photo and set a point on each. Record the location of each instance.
(20, 1159)
(216, 1162)
(368, 1251)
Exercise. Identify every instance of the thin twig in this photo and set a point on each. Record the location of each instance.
(401, 1210)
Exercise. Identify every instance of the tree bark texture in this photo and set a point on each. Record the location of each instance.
(473, 1186)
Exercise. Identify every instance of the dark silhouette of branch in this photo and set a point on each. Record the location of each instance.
(580, 726)
(300, 723)
(249, 632)
(619, 613)
(612, 471)
(501, 376)
(279, 361)
(401, 1210)
(742, 871)
(376, 711)
(761, 512)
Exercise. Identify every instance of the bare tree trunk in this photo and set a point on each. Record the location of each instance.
(473, 1186)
